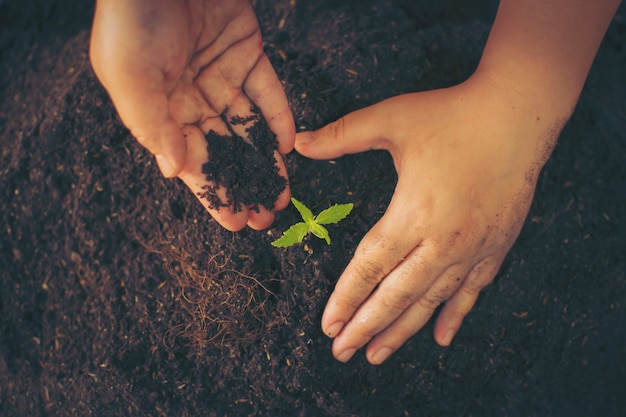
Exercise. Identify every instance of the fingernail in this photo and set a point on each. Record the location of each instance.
(381, 356)
(447, 338)
(165, 165)
(334, 329)
(345, 355)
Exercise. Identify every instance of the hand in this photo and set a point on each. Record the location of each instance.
(173, 67)
(467, 160)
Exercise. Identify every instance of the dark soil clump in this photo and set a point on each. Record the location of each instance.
(247, 170)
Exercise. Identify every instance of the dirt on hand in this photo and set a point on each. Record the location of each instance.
(244, 167)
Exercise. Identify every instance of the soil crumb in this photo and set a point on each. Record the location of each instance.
(246, 170)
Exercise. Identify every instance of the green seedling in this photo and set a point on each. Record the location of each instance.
(312, 224)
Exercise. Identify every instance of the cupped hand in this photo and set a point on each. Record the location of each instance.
(176, 70)
(467, 160)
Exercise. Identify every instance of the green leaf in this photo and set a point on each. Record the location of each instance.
(334, 214)
(291, 236)
(307, 215)
(320, 231)
(312, 224)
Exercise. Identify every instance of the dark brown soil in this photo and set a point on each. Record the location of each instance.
(245, 167)
(120, 296)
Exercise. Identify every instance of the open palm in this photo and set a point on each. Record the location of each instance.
(174, 68)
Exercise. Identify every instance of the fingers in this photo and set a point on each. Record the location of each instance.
(459, 305)
(238, 117)
(152, 125)
(264, 218)
(266, 91)
(154, 129)
(143, 106)
(195, 179)
(399, 308)
(358, 131)
(134, 78)
(284, 198)
(382, 249)
(401, 305)
(220, 84)
(398, 277)
(415, 316)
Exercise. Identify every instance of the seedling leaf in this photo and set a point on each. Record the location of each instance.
(307, 215)
(291, 236)
(334, 214)
(320, 231)
(312, 224)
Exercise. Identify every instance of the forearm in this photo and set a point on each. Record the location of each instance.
(544, 48)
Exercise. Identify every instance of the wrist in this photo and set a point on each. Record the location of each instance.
(533, 98)
(549, 93)
(544, 49)
(522, 126)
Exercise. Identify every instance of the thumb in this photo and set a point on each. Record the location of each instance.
(136, 84)
(143, 107)
(359, 131)
(150, 122)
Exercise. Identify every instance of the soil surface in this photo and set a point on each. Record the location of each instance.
(120, 296)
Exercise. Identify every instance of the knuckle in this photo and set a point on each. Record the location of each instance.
(335, 130)
(367, 332)
(369, 273)
(352, 302)
(143, 138)
(456, 317)
(482, 274)
(473, 288)
(398, 299)
(470, 291)
(430, 301)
